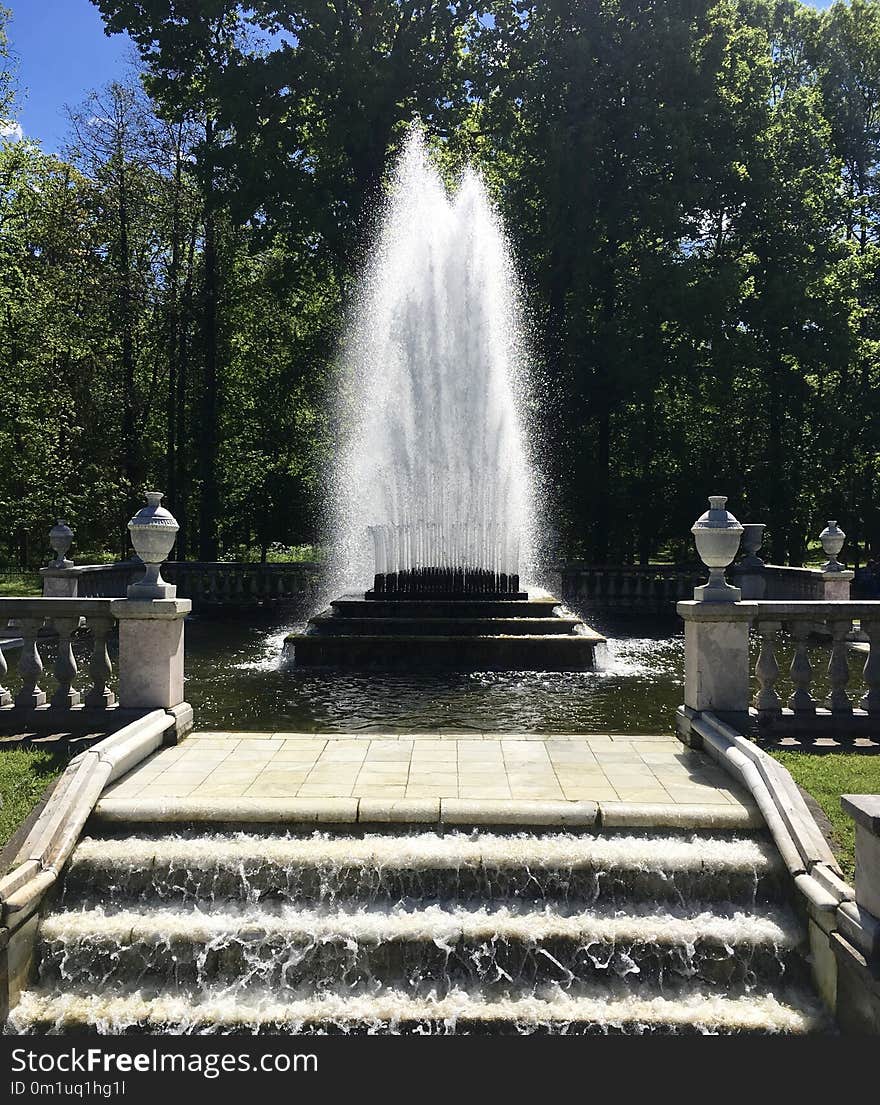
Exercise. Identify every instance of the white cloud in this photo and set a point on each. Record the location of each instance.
(11, 129)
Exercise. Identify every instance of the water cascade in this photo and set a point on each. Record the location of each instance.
(477, 932)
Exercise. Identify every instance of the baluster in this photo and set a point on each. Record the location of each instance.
(767, 701)
(5, 696)
(838, 669)
(99, 694)
(30, 666)
(801, 701)
(65, 665)
(870, 700)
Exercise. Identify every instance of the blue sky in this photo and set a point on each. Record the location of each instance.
(62, 55)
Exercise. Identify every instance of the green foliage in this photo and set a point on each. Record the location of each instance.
(692, 190)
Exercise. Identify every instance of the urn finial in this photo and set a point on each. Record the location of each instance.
(832, 538)
(60, 540)
(153, 530)
(717, 534)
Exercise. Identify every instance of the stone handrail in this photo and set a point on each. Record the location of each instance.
(718, 675)
(47, 846)
(842, 922)
(655, 588)
(206, 583)
(150, 661)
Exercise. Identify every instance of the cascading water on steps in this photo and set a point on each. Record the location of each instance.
(419, 931)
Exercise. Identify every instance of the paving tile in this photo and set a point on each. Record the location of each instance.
(226, 743)
(482, 791)
(343, 755)
(175, 776)
(431, 778)
(642, 794)
(380, 778)
(219, 790)
(432, 792)
(696, 795)
(525, 792)
(168, 790)
(270, 776)
(588, 793)
(371, 791)
(123, 790)
(292, 756)
(339, 789)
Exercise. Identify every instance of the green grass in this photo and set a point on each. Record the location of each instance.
(826, 777)
(19, 584)
(24, 775)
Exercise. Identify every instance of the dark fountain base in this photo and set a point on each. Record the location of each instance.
(513, 632)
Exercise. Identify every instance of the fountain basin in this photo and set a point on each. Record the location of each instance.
(531, 634)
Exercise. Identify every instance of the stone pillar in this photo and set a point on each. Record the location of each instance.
(150, 652)
(716, 658)
(59, 583)
(836, 585)
(856, 944)
(864, 809)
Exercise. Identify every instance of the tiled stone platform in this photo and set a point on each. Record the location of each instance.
(649, 770)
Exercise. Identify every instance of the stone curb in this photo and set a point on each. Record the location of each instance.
(247, 810)
(801, 825)
(427, 811)
(56, 831)
(839, 930)
(620, 815)
(53, 837)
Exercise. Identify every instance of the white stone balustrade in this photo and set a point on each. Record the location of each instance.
(150, 659)
(719, 679)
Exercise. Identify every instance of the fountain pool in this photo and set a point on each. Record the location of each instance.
(234, 681)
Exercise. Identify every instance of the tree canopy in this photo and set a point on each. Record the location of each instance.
(691, 188)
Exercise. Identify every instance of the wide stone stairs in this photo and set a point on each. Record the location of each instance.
(421, 930)
(533, 633)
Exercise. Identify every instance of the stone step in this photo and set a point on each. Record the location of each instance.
(498, 946)
(611, 1008)
(356, 606)
(465, 867)
(417, 626)
(534, 652)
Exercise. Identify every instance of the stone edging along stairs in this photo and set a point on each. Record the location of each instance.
(380, 919)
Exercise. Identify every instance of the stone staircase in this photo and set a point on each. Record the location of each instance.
(530, 634)
(422, 931)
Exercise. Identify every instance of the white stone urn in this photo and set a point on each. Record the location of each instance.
(153, 530)
(717, 534)
(60, 539)
(832, 538)
(752, 540)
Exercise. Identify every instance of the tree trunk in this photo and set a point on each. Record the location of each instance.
(209, 502)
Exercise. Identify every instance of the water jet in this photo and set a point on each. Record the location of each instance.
(435, 493)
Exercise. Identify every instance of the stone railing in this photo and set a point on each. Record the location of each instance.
(719, 674)
(150, 672)
(206, 584)
(655, 588)
(91, 581)
(242, 583)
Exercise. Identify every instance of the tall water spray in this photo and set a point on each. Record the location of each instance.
(433, 479)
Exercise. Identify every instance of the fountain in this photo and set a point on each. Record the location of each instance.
(434, 494)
